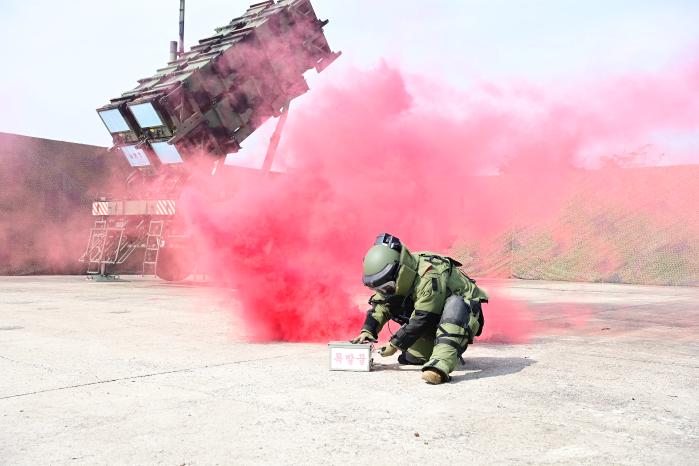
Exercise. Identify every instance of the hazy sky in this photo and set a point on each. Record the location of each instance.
(63, 59)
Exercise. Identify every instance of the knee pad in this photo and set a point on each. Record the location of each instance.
(410, 360)
(456, 311)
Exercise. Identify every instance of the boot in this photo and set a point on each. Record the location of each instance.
(432, 377)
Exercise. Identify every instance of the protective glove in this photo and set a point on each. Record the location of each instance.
(364, 337)
(387, 350)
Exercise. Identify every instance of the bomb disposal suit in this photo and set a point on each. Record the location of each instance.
(437, 305)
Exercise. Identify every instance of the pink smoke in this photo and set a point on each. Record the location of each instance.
(382, 152)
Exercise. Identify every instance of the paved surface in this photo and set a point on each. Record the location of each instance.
(146, 372)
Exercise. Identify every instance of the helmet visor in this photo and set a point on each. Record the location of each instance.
(384, 281)
(387, 289)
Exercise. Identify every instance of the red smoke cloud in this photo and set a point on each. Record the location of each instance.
(382, 152)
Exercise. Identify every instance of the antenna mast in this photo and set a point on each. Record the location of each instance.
(181, 50)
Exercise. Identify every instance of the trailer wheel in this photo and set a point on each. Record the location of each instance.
(174, 264)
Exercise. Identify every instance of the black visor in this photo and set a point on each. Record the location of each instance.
(383, 281)
(387, 289)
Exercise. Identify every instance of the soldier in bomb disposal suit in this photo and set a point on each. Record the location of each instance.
(437, 305)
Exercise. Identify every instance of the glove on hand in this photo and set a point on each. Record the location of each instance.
(364, 337)
(387, 350)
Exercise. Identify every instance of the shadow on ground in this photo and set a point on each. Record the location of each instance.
(484, 367)
(476, 368)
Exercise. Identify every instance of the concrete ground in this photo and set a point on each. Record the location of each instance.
(145, 372)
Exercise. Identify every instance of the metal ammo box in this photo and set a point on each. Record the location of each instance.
(346, 356)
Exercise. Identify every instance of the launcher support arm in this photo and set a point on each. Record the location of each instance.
(274, 140)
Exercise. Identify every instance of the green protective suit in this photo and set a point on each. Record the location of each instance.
(429, 335)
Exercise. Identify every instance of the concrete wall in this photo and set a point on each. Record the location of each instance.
(46, 189)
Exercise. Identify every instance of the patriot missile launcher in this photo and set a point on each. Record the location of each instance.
(201, 106)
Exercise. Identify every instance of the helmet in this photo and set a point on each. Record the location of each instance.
(389, 268)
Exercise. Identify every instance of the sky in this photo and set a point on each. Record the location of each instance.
(62, 60)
